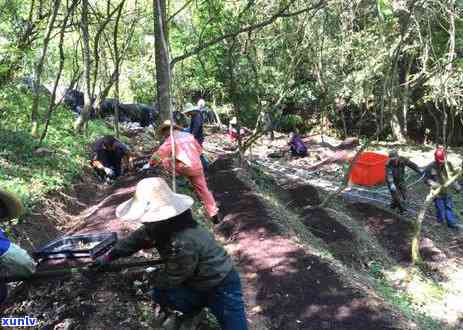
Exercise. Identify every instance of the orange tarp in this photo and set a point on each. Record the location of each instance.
(369, 169)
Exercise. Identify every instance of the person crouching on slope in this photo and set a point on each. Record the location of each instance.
(197, 270)
(187, 163)
(14, 261)
(108, 156)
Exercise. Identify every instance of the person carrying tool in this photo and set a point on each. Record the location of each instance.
(14, 261)
(108, 156)
(395, 174)
(187, 163)
(437, 173)
(197, 270)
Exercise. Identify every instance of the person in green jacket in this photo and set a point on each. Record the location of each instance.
(197, 271)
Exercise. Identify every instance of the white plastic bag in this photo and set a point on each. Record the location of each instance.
(17, 261)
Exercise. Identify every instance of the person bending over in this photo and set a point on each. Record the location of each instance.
(197, 270)
(395, 175)
(108, 157)
(187, 163)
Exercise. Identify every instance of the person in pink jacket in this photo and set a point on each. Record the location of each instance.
(187, 163)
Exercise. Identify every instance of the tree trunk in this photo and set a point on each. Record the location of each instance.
(85, 113)
(52, 105)
(415, 247)
(396, 127)
(39, 69)
(117, 57)
(163, 74)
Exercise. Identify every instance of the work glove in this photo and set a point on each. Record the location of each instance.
(392, 187)
(147, 166)
(109, 171)
(434, 185)
(100, 264)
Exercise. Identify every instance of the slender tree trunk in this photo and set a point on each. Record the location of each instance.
(396, 126)
(85, 113)
(163, 74)
(39, 69)
(448, 98)
(415, 246)
(116, 69)
(52, 105)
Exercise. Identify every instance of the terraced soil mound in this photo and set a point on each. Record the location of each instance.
(287, 286)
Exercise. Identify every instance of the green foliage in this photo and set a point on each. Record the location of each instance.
(385, 8)
(29, 175)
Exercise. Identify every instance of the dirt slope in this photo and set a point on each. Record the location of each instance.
(286, 286)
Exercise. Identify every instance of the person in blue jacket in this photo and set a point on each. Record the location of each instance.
(13, 259)
(196, 129)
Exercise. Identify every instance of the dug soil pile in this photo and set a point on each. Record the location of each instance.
(287, 286)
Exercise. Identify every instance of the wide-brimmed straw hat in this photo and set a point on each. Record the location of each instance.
(153, 201)
(166, 125)
(11, 206)
(189, 108)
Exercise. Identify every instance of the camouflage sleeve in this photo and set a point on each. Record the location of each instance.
(180, 264)
(136, 241)
(389, 175)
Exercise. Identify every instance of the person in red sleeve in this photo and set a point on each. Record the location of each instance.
(187, 163)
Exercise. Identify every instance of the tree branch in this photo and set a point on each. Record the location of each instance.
(270, 20)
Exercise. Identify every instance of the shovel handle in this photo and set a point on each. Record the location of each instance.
(111, 268)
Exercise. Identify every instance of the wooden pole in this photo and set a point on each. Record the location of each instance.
(75, 271)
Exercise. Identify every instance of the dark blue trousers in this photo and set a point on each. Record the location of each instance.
(224, 301)
(444, 210)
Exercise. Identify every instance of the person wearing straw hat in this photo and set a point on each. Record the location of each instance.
(395, 174)
(13, 259)
(197, 270)
(196, 122)
(187, 163)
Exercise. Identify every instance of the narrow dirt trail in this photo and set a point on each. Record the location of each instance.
(286, 286)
